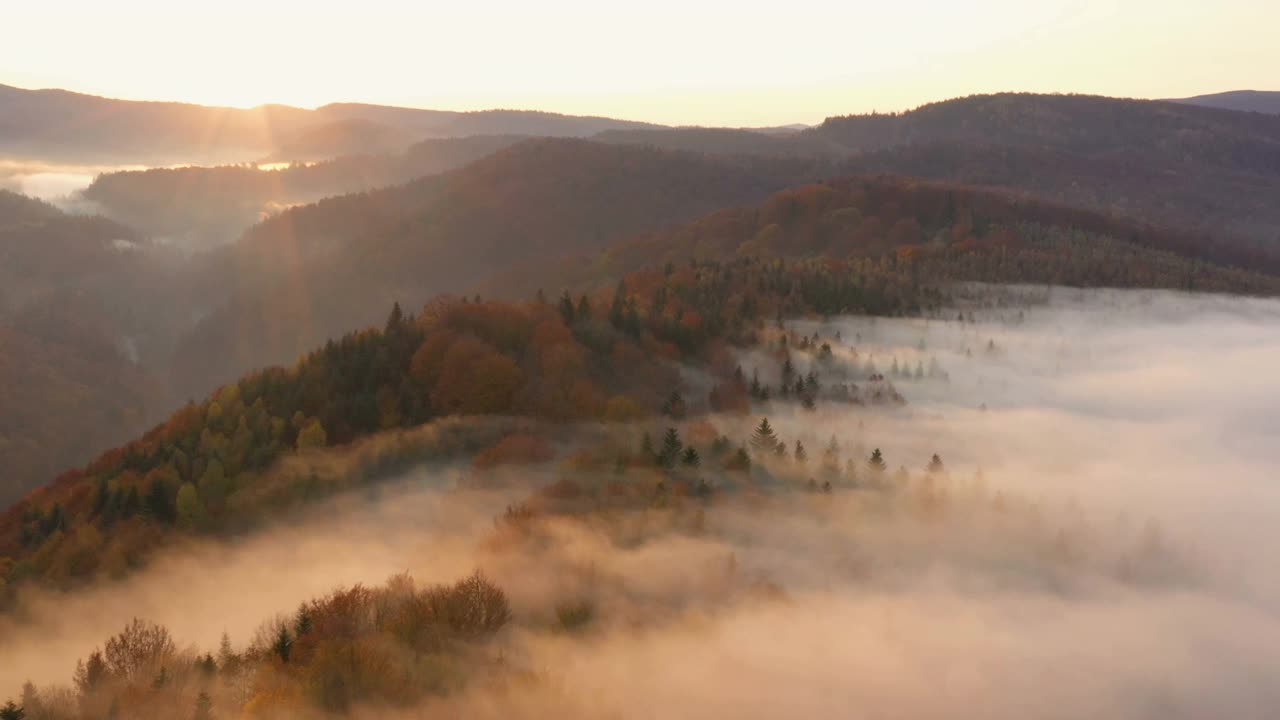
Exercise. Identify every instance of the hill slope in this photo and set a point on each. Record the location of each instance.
(1212, 170)
(203, 207)
(315, 271)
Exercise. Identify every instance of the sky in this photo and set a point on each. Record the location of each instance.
(688, 62)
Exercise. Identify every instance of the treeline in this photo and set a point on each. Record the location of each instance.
(934, 233)
(392, 645)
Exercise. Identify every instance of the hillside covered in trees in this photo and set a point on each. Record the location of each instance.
(203, 207)
(315, 271)
(543, 214)
(606, 354)
(78, 314)
(1200, 169)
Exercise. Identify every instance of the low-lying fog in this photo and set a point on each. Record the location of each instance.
(1131, 437)
(52, 182)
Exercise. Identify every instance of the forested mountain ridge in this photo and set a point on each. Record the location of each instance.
(875, 216)
(1206, 169)
(873, 246)
(314, 271)
(204, 207)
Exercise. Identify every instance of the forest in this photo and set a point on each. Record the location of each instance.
(390, 412)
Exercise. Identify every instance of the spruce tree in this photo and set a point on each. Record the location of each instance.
(876, 462)
(671, 447)
(764, 439)
(935, 464)
(204, 707)
(690, 457)
(283, 644)
(566, 308)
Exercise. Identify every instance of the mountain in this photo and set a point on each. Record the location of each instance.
(203, 207)
(678, 297)
(1164, 163)
(57, 125)
(316, 270)
(1212, 170)
(1259, 101)
(88, 312)
(942, 228)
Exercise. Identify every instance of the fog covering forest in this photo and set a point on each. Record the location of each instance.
(1066, 516)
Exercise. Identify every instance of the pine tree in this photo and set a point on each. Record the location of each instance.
(764, 439)
(395, 321)
(206, 664)
(283, 644)
(800, 454)
(646, 448)
(671, 447)
(12, 712)
(633, 325)
(876, 462)
(228, 660)
(584, 309)
(618, 309)
(690, 457)
(302, 622)
(204, 707)
(566, 308)
(31, 700)
(935, 464)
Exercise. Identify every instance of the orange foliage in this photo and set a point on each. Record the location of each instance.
(474, 378)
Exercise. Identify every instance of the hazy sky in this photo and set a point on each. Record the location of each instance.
(737, 62)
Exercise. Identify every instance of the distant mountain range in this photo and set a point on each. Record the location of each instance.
(1261, 101)
(58, 125)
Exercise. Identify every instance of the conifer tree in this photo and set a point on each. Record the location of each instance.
(876, 462)
(671, 447)
(764, 439)
(204, 707)
(566, 308)
(690, 457)
(935, 464)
